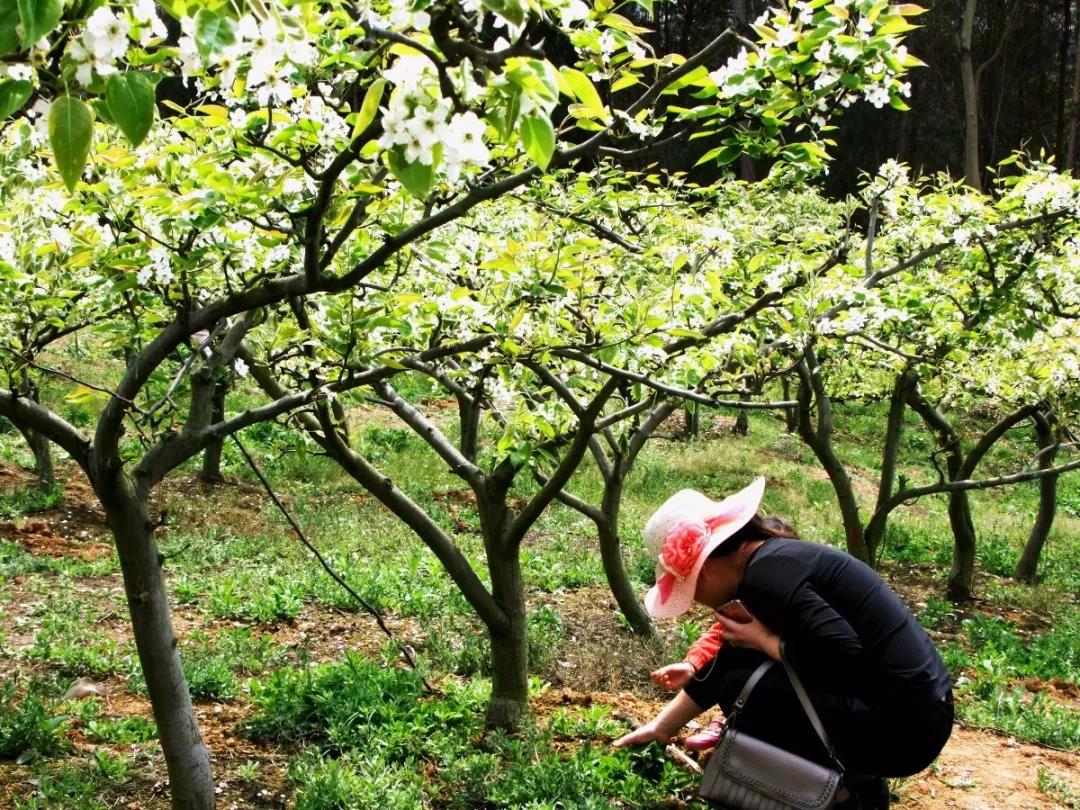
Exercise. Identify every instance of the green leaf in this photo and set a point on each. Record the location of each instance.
(213, 32)
(71, 127)
(416, 177)
(511, 10)
(585, 92)
(370, 108)
(894, 25)
(14, 93)
(38, 18)
(130, 98)
(721, 154)
(9, 18)
(539, 138)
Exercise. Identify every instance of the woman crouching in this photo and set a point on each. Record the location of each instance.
(872, 673)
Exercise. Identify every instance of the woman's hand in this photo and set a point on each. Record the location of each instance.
(647, 733)
(673, 676)
(753, 634)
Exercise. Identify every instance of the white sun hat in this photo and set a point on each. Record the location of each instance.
(682, 534)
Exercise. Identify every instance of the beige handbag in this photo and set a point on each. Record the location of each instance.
(745, 773)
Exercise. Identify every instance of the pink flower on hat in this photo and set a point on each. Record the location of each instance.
(682, 547)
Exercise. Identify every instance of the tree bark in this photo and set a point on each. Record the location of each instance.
(875, 529)
(43, 461)
(509, 643)
(742, 419)
(819, 440)
(971, 99)
(791, 415)
(691, 421)
(1028, 565)
(614, 568)
(1062, 74)
(211, 466)
(1074, 111)
(962, 572)
(186, 757)
(746, 163)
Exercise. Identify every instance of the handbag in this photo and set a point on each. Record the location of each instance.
(745, 773)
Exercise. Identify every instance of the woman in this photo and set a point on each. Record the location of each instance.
(873, 674)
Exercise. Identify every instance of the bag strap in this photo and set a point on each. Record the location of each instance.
(800, 692)
(751, 682)
(811, 713)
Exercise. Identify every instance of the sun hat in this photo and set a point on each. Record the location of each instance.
(682, 534)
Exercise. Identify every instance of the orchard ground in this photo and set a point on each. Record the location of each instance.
(303, 703)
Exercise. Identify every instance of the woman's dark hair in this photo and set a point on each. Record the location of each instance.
(757, 528)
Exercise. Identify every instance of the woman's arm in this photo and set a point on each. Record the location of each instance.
(753, 634)
(704, 650)
(680, 711)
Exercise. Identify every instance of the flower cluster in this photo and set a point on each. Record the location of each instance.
(424, 127)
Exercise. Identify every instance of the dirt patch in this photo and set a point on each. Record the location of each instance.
(13, 477)
(979, 770)
(599, 654)
(51, 538)
(674, 427)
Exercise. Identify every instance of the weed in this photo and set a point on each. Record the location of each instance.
(29, 500)
(546, 630)
(71, 649)
(249, 771)
(1057, 788)
(354, 782)
(28, 727)
(1031, 717)
(936, 612)
(96, 784)
(588, 723)
(121, 730)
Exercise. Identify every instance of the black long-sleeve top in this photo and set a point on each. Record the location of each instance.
(844, 631)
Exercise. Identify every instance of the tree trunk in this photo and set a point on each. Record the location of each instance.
(211, 467)
(746, 163)
(43, 461)
(509, 645)
(791, 415)
(614, 569)
(1074, 111)
(1028, 565)
(691, 421)
(742, 420)
(971, 99)
(186, 757)
(1062, 75)
(820, 441)
(962, 572)
(875, 529)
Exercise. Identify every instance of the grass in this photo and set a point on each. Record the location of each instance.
(359, 731)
